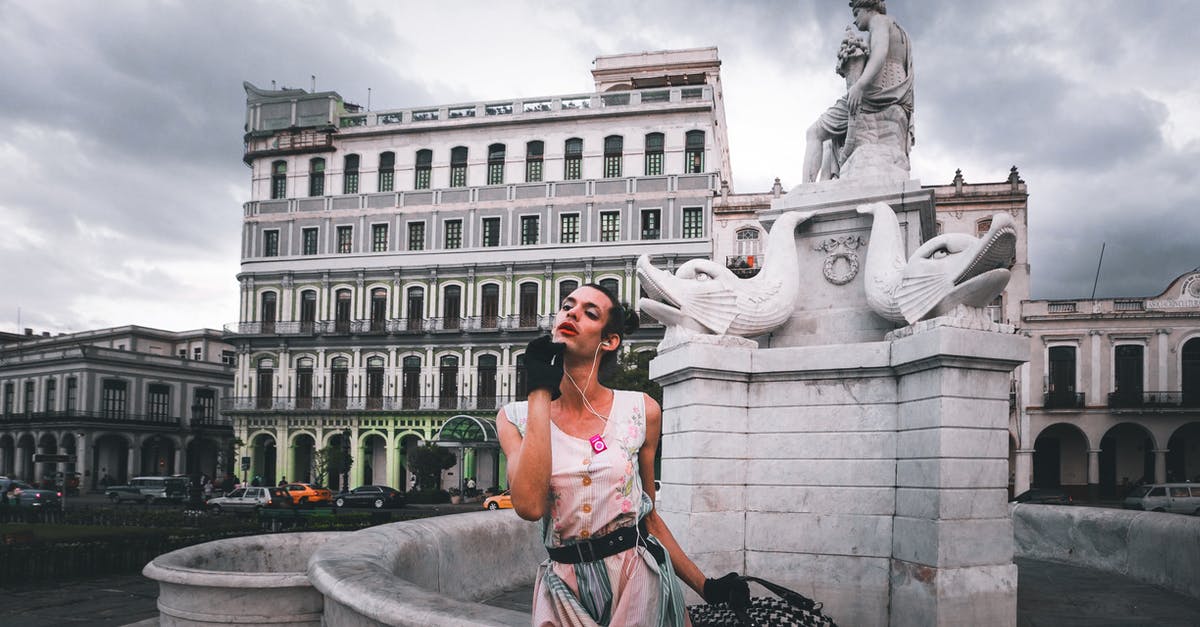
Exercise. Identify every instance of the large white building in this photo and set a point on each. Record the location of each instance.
(396, 263)
(125, 401)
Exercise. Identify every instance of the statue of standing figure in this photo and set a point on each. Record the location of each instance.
(870, 128)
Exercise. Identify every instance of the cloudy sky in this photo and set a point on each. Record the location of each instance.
(121, 121)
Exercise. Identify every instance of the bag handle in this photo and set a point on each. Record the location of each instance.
(791, 596)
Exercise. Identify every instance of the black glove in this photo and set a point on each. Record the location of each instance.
(543, 365)
(730, 589)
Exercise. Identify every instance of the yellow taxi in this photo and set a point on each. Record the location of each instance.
(308, 494)
(500, 501)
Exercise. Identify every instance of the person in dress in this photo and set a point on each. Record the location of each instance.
(581, 461)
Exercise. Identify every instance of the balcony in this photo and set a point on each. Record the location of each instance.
(357, 404)
(1154, 401)
(393, 326)
(76, 415)
(744, 266)
(1063, 400)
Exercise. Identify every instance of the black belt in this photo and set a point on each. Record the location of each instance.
(605, 546)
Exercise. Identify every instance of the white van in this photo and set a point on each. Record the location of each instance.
(1180, 498)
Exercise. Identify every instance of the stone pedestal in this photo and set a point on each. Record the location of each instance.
(871, 476)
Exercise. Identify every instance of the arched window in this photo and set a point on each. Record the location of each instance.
(308, 310)
(485, 389)
(279, 179)
(573, 159)
(339, 383)
(693, 153)
(521, 385)
(495, 175)
(448, 385)
(304, 383)
(341, 311)
(410, 383)
(612, 285)
(316, 177)
(614, 147)
(528, 305)
(268, 313)
(374, 383)
(748, 242)
(458, 166)
(378, 309)
(451, 307)
(387, 171)
(416, 308)
(489, 306)
(424, 169)
(565, 288)
(350, 175)
(265, 380)
(534, 151)
(654, 154)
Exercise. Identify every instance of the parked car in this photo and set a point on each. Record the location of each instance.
(25, 495)
(499, 501)
(1181, 498)
(377, 496)
(308, 494)
(149, 490)
(250, 500)
(1044, 496)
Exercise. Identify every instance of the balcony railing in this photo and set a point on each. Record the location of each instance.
(91, 416)
(399, 326)
(1063, 400)
(244, 404)
(1154, 400)
(744, 266)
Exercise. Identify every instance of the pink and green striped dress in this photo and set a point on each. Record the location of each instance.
(593, 494)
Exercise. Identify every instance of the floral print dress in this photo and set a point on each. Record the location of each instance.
(593, 494)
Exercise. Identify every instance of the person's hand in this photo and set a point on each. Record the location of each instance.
(854, 97)
(730, 589)
(543, 365)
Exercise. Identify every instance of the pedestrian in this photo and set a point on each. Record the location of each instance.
(256, 481)
(208, 489)
(593, 449)
(283, 481)
(412, 482)
(471, 486)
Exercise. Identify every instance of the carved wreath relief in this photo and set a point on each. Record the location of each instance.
(840, 249)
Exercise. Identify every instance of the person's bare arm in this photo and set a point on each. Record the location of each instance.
(880, 40)
(528, 457)
(685, 569)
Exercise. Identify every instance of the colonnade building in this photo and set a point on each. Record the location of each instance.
(125, 401)
(396, 263)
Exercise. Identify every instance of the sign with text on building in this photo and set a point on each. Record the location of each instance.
(52, 458)
(1189, 296)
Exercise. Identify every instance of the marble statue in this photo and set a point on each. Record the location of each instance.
(705, 298)
(943, 273)
(870, 128)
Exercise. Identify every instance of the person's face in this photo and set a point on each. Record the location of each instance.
(862, 17)
(580, 320)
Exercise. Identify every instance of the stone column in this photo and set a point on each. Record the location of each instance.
(4, 461)
(282, 457)
(1160, 465)
(1093, 478)
(87, 479)
(180, 460)
(132, 459)
(1024, 474)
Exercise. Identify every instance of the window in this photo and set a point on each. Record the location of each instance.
(197, 354)
(654, 154)
(495, 170)
(612, 286)
(610, 226)
(528, 305)
(568, 228)
(375, 383)
(573, 159)
(29, 397)
(1060, 390)
(565, 288)
(304, 383)
(350, 175)
(486, 386)
(205, 403)
(693, 153)
(982, 227)
(279, 179)
(378, 309)
(112, 399)
(451, 306)
(458, 166)
(453, 234)
(339, 379)
(51, 395)
(613, 147)
(309, 243)
(341, 311)
(416, 308)
(748, 242)
(693, 222)
(387, 171)
(229, 358)
(410, 383)
(316, 177)
(9, 399)
(379, 237)
(489, 306)
(416, 236)
(522, 382)
(448, 386)
(534, 152)
(1128, 375)
(529, 230)
(651, 223)
(308, 310)
(491, 232)
(158, 402)
(72, 394)
(267, 313)
(424, 169)
(345, 239)
(271, 243)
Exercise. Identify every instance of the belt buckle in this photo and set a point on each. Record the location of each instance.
(579, 549)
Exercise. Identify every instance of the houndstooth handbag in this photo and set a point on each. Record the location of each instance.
(791, 608)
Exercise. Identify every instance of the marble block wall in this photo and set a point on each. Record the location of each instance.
(869, 476)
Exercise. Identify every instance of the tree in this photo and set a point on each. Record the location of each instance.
(329, 460)
(427, 463)
(633, 373)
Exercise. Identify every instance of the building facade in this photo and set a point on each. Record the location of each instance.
(1113, 392)
(124, 401)
(396, 263)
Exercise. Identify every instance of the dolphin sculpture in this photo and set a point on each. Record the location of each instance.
(947, 271)
(705, 298)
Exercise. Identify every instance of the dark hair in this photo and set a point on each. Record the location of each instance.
(622, 320)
